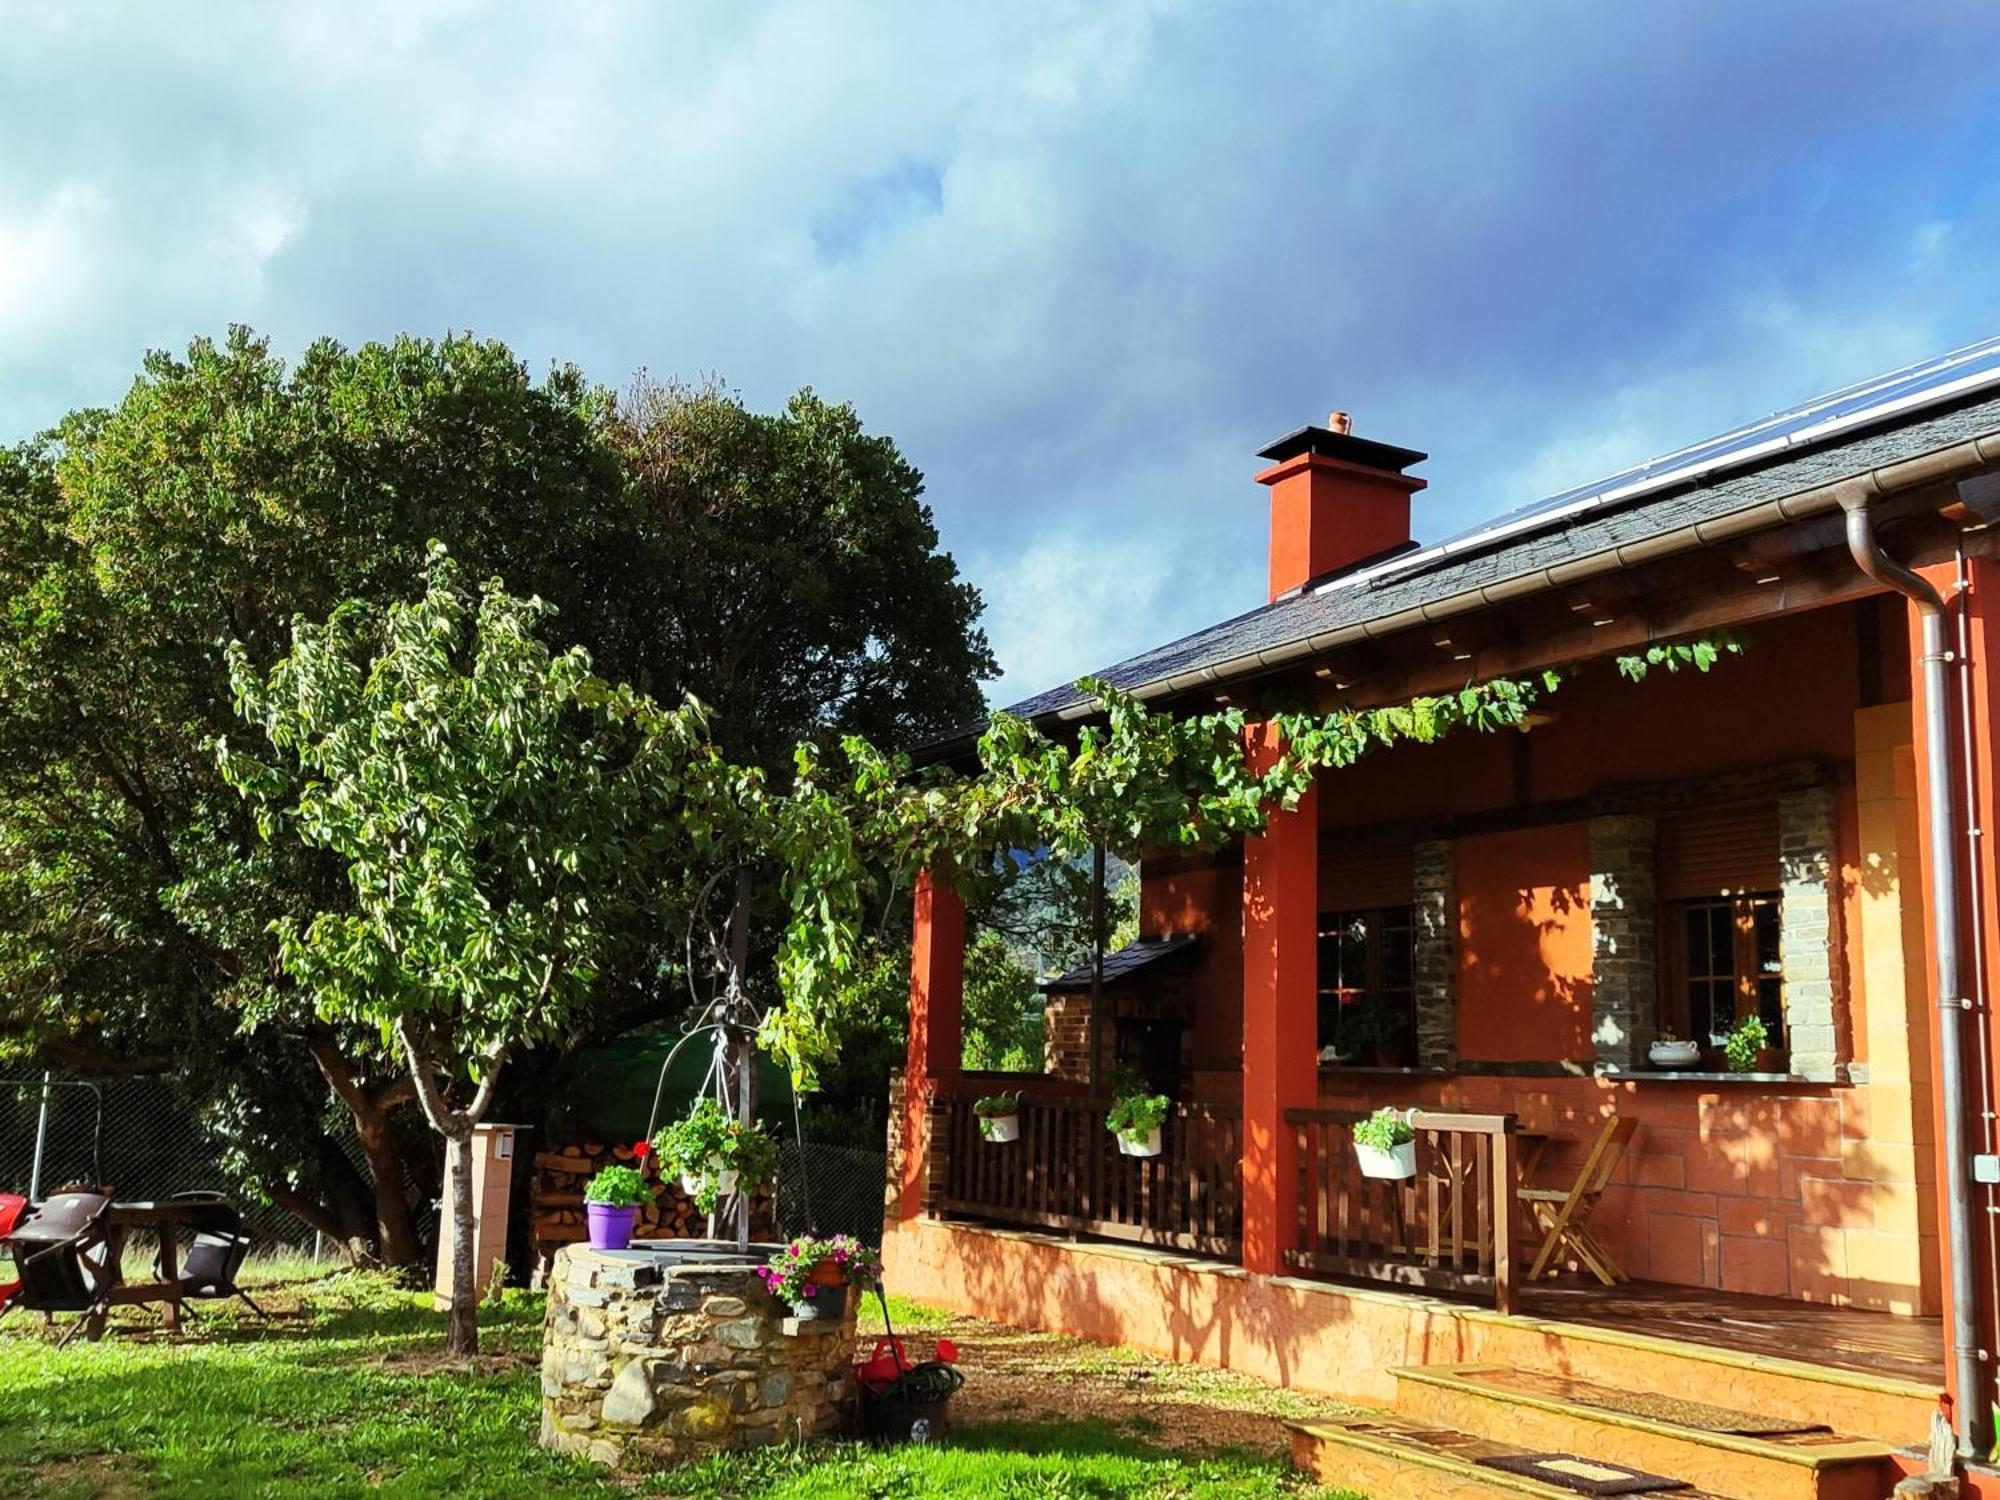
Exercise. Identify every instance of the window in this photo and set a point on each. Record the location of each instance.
(1366, 963)
(1724, 963)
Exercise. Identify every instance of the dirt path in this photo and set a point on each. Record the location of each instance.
(1014, 1375)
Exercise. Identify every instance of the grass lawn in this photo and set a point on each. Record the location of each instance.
(347, 1394)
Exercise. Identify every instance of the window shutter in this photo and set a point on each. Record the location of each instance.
(1364, 877)
(1715, 851)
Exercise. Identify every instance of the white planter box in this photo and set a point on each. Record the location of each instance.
(725, 1182)
(999, 1129)
(1674, 1054)
(1397, 1163)
(1150, 1146)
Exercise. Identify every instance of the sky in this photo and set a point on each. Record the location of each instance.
(1079, 260)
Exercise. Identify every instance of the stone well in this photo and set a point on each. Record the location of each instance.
(673, 1350)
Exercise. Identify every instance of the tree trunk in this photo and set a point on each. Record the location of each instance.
(455, 1125)
(1095, 1073)
(397, 1244)
(463, 1337)
(394, 1227)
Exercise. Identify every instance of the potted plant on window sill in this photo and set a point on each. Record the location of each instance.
(999, 1117)
(813, 1275)
(1135, 1119)
(714, 1155)
(611, 1202)
(1386, 1144)
(1747, 1048)
(1673, 1052)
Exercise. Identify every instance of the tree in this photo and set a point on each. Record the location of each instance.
(228, 492)
(791, 577)
(496, 808)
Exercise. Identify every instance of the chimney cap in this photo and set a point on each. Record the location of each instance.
(1344, 446)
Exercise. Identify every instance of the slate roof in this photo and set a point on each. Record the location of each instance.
(1529, 551)
(1126, 962)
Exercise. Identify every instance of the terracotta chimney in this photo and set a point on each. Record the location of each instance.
(1337, 501)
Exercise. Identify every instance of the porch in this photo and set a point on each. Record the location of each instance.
(1452, 1237)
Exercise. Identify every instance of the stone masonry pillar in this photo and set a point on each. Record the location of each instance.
(1808, 914)
(1624, 945)
(1435, 940)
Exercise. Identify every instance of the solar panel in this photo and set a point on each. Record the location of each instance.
(1914, 386)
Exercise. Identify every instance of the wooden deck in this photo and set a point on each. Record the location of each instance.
(1838, 1338)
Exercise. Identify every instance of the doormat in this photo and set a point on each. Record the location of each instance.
(1586, 1476)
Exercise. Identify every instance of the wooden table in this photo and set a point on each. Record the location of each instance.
(166, 1220)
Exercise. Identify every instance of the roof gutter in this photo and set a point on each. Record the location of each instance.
(1973, 1404)
(1944, 463)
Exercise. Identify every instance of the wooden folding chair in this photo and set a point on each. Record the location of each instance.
(1562, 1215)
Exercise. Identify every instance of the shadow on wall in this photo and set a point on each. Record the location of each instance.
(1524, 989)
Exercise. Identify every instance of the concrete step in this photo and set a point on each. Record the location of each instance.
(1662, 1434)
(1389, 1458)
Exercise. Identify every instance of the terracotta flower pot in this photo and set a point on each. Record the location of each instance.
(828, 1272)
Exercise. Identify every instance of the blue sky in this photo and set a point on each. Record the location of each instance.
(1081, 260)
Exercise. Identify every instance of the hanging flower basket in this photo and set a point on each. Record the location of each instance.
(700, 1185)
(999, 1117)
(1135, 1119)
(1386, 1145)
(1397, 1164)
(715, 1155)
(1147, 1145)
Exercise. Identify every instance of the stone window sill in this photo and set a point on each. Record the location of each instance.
(1675, 1075)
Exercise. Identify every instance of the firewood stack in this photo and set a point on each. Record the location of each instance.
(555, 1201)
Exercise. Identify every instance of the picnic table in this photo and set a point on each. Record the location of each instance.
(166, 1219)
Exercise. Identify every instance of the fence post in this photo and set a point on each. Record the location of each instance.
(41, 1139)
(1506, 1207)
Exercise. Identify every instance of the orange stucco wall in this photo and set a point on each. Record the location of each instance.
(1524, 945)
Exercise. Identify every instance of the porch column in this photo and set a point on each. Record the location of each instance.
(937, 1043)
(1624, 982)
(1280, 1013)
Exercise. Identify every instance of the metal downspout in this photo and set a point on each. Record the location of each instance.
(1970, 1416)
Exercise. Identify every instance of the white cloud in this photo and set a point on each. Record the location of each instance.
(1080, 257)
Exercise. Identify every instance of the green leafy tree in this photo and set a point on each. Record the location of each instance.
(229, 492)
(1003, 1012)
(496, 808)
(789, 576)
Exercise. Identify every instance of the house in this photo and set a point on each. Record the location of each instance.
(1493, 930)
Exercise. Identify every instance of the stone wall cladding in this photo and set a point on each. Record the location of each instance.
(1435, 940)
(645, 1365)
(1624, 944)
(1808, 922)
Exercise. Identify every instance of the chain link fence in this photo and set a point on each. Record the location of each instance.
(132, 1134)
(135, 1135)
(831, 1190)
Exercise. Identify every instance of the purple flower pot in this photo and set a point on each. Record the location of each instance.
(610, 1224)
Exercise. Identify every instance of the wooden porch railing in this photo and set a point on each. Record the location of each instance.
(1450, 1228)
(1066, 1172)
